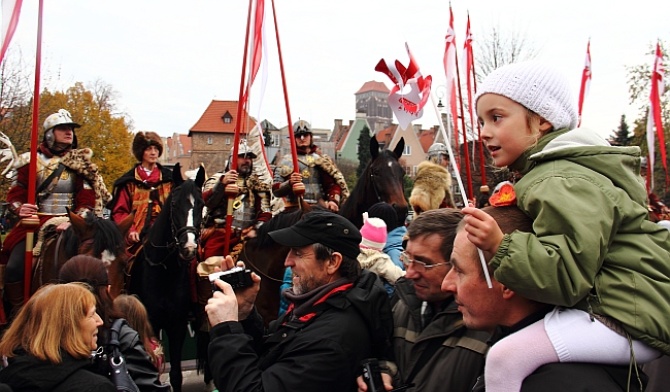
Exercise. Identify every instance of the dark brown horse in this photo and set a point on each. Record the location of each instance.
(381, 180)
(88, 235)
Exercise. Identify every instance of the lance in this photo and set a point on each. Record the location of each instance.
(232, 190)
(465, 133)
(298, 188)
(482, 159)
(33, 222)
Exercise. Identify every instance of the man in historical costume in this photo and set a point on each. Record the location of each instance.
(65, 178)
(251, 207)
(143, 189)
(324, 183)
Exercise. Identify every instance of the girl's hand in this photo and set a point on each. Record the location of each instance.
(483, 231)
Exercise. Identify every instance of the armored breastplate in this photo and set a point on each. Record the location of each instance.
(243, 212)
(59, 193)
(311, 178)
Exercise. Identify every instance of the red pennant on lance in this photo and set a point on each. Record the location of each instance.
(449, 62)
(11, 9)
(410, 91)
(654, 119)
(586, 81)
(256, 46)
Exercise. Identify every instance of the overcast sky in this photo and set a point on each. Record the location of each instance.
(167, 59)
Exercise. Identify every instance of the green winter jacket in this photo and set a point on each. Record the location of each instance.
(593, 248)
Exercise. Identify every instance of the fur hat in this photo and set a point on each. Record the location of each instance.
(373, 233)
(537, 87)
(431, 186)
(143, 140)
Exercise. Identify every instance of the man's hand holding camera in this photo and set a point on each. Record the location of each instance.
(229, 305)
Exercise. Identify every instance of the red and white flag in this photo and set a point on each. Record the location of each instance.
(258, 48)
(410, 91)
(468, 59)
(11, 9)
(654, 118)
(450, 72)
(586, 81)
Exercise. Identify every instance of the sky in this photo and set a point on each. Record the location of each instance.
(167, 60)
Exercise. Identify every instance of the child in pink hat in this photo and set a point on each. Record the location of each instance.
(372, 256)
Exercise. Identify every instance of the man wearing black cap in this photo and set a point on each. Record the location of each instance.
(337, 317)
(324, 183)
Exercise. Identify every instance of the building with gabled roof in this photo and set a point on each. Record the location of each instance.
(347, 146)
(213, 134)
(372, 99)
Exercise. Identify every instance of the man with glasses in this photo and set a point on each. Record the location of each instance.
(338, 316)
(324, 183)
(432, 347)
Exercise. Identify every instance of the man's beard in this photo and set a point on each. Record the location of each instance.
(244, 170)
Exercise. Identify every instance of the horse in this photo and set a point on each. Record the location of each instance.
(381, 180)
(88, 235)
(161, 272)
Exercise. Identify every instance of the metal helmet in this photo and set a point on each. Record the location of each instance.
(301, 127)
(435, 151)
(244, 150)
(62, 117)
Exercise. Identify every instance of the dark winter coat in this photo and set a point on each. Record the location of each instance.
(319, 352)
(29, 374)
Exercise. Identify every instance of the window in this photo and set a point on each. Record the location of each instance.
(227, 140)
(209, 140)
(407, 150)
(274, 139)
(227, 120)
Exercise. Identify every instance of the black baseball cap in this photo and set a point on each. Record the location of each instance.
(323, 227)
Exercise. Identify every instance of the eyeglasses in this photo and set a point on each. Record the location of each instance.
(418, 265)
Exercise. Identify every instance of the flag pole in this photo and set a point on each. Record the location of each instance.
(33, 222)
(459, 180)
(465, 132)
(480, 142)
(232, 190)
(298, 188)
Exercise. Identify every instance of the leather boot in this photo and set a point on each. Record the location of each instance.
(14, 297)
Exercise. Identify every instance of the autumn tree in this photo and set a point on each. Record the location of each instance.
(497, 47)
(106, 133)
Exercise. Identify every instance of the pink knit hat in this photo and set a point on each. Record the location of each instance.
(373, 233)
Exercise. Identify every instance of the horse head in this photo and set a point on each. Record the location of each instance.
(381, 180)
(186, 206)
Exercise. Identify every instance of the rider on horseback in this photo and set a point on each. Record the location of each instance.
(251, 206)
(66, 178)
(144, 188)
(324, 183)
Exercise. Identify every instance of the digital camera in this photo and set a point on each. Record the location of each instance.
(237, 277)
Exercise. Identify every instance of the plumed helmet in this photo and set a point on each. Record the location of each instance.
(436, 150)
(144, 140)
(61, 117)
(301, 127)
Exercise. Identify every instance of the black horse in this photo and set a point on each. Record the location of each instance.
(160, 275)
(381, 180)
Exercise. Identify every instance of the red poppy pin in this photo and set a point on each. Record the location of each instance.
(503, 196)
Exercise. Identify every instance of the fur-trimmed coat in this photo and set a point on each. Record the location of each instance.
(432, 188)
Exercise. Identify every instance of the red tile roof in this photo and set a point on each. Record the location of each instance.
(386, 134)
(373, 86)
(426, 138)
(211, 120)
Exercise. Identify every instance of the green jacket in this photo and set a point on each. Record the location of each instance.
(594, 247)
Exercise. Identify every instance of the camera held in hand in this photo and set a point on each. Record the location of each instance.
(372, 375)
(237, 277)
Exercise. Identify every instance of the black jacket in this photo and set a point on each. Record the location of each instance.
(319, 353)
(138, 362)
(29, 374)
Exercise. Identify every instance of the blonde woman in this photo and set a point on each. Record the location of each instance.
(50, 342)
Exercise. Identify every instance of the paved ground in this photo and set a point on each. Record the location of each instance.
(193, 382)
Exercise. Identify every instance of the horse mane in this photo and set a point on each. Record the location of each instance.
(106, 235)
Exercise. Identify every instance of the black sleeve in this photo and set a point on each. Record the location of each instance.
(582, 377)
(139, 364)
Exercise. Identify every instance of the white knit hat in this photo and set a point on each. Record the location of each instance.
(373, 233)
(536, 86)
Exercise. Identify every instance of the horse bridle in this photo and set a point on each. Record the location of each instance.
(374, 186)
